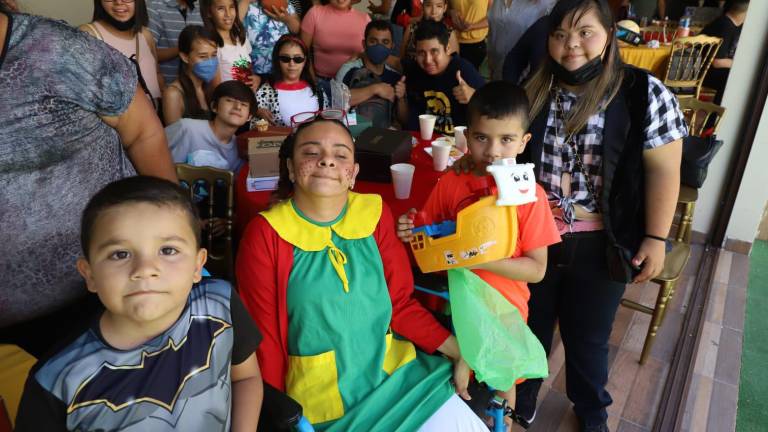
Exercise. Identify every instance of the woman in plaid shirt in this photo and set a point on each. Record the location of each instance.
(607, 148)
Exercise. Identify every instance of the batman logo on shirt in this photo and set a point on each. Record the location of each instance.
(159, 377)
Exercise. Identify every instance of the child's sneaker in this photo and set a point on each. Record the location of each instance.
(525, 404)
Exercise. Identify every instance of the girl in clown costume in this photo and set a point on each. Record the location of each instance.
(328, 282)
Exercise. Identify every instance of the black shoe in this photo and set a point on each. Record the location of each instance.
(525, 422)
(525, 403)
(602, 427)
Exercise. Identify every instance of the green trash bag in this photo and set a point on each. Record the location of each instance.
(493, 338)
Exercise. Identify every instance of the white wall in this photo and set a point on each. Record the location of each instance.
(753, 192)
(739, 94)
(75, 12)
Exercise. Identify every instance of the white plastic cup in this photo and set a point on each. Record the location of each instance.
(440, 151)
(402, 177)
(459, 136)
(427, 126)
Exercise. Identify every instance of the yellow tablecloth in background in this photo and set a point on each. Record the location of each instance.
(650, 59)
(15, 364)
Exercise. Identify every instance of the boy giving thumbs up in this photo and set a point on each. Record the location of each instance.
(437, 83)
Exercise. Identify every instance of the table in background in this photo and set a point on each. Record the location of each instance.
(249, 204)
(653, 60)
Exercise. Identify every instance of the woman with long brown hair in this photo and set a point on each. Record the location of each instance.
(607, 147)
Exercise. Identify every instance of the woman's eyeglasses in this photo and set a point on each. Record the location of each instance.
(328, 114)
(287, 59)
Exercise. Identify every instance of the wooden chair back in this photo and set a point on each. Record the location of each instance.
(212, 190)
(689, 62)
(701, 116)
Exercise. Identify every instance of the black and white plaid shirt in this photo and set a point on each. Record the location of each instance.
(664, 123)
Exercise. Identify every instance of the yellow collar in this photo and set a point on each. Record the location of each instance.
(363, 212)
(360, 219)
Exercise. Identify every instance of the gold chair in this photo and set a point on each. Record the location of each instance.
(214, 182)
(674, 263)
(688, 64)
(700, 116)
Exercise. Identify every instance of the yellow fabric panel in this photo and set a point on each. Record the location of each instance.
(653, 60)
(314, 383)
(15, 364)
(362, 216)
(399, 353)
(472, 11)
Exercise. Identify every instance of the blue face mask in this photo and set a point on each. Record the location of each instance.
(377, 54)
(206, 69)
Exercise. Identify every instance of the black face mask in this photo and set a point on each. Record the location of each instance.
(586, 73)
(120, 25)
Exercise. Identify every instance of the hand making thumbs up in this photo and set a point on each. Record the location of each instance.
(400, 88)
(462, 92)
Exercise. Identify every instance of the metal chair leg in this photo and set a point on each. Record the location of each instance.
(665, 294)
(686, 223)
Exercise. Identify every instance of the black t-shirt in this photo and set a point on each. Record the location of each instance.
(433, 94)
(724, 28)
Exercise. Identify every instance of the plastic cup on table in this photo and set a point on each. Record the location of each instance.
(460, 138)
(427, 126)
(441, 150)
(402, 177)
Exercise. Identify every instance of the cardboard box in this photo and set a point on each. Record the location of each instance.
(379, 148)
(263, 150)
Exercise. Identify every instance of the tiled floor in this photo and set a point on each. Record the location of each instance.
(714, 390)
(636, 389)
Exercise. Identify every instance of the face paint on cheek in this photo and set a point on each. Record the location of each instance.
(305, 168)
(349, 173)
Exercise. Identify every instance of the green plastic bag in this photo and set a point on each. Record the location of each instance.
(493, 338)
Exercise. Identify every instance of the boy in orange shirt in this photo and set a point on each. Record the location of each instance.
(497, 129)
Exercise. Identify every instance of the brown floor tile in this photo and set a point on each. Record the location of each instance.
(551, 412)
(717, 295)
(700, 405)
(685, 425)
(739, 270)
(722, 408)
(636, 333)
(625, 426)
(706, 356)
(558, 384)
(682, 293)
(667, 336)
(723, 266)
(729, 357)
(694, 260)
(733, 316)
(645, 393)
(622, 375)
(569, 423)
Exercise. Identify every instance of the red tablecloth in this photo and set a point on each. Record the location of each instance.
(249, 204)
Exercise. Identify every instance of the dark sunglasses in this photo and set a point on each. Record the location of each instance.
(287, 59)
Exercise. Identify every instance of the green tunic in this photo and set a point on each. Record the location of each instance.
(344, 366)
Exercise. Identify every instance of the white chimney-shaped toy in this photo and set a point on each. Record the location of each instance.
(515, 182)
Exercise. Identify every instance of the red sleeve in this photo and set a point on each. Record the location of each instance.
(258, 278)
(536, 224)
(409, 318)
(439, 206)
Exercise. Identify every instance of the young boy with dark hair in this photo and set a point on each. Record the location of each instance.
(437, 82)
(212, 142)
(168, 351)
(497, 129)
